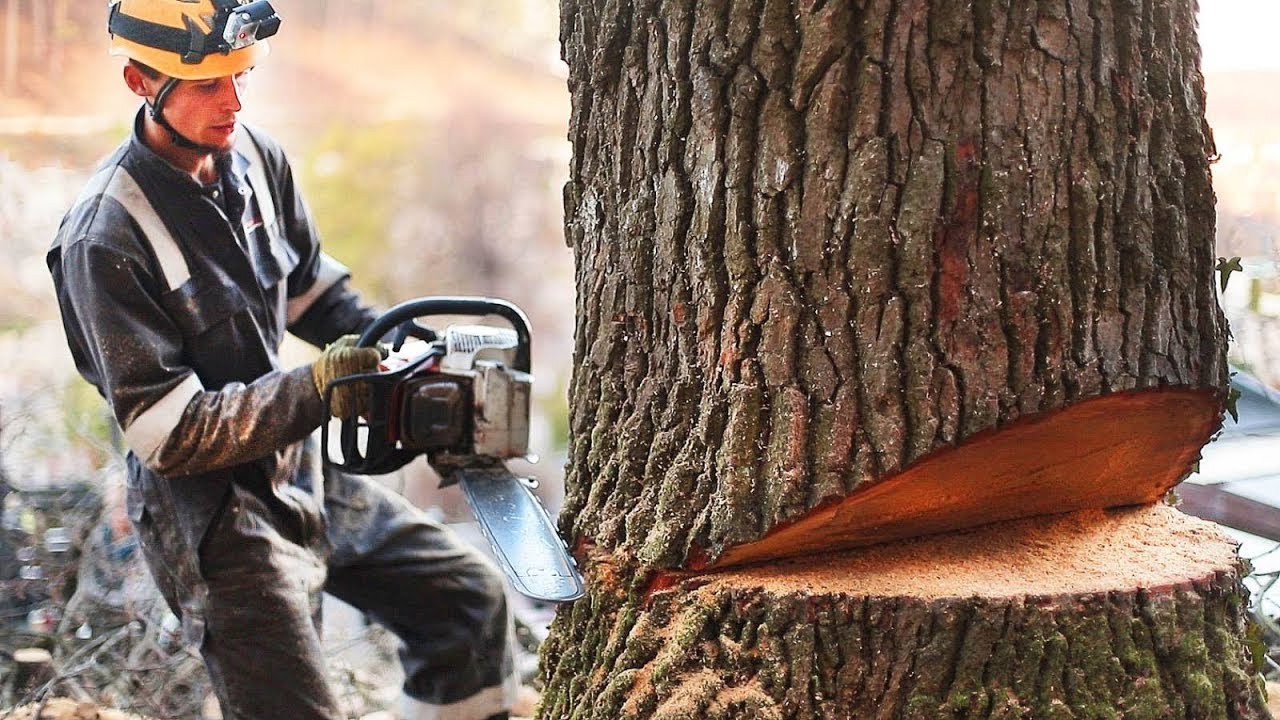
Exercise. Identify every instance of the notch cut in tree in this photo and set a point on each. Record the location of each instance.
(1117, 450)
(855, 272)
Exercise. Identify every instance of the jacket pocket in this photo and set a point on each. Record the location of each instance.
(199, 305)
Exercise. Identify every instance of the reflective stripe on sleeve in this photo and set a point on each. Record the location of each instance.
(331, 271)
(124, 189)
(147, 433)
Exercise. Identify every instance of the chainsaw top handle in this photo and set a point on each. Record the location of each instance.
(410, 310)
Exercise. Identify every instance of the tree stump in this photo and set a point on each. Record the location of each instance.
(1133, 613)
(32, 667)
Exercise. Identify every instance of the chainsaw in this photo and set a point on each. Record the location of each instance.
(460, 397)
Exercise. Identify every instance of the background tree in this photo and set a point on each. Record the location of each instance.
(851, 272)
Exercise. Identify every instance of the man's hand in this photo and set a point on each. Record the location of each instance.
(340, 359)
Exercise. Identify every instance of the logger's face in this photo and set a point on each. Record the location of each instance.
(204, 111)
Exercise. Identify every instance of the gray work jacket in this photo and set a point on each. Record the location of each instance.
(176, 312)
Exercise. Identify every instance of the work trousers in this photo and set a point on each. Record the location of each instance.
(267, 556)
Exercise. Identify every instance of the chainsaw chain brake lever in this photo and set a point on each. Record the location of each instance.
(412, 329)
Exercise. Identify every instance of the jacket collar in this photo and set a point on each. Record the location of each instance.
(149, 161)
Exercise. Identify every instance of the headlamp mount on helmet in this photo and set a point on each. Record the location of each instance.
(247, 24)
(234, 26)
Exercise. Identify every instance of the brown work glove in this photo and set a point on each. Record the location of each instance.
(340, 359)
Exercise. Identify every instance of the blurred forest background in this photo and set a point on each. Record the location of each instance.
(430, 140)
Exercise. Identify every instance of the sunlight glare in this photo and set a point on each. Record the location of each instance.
(1239, 34)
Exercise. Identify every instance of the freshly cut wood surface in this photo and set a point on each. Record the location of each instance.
(1111, 451)
(1135, 613)
(1089, 551)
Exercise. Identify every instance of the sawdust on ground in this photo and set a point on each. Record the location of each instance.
(67, 709)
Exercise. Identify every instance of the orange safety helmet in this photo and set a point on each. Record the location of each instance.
(192, 39)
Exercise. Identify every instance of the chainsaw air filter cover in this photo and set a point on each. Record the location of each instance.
(434, 414)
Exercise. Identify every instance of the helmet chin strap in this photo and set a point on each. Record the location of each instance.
(156, 110)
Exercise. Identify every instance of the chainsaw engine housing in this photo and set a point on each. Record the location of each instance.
(472, 402)
(499, 399)
(433, 416)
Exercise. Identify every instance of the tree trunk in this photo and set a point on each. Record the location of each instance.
(818, 242)
(853, 272)
(1136, 615)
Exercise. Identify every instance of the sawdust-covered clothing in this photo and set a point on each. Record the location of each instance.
(175, 297)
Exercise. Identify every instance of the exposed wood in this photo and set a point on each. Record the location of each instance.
(1123, 614)
(1219, 504)
(1120, 449)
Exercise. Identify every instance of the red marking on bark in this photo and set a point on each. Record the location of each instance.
(660, 581)
(1122, 85)
(698, 559)
(679, 312)
(956, 235)
(667, 581)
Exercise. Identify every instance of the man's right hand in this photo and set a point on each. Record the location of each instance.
(340, 359)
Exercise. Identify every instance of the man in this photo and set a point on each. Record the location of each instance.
(178, 270)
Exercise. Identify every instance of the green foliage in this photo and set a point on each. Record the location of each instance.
(1233, 396)
(1225, 267)
(351, 176)
(87, 419)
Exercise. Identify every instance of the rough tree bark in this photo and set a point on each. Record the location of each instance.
(856, 271)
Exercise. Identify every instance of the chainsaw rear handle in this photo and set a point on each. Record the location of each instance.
(410, 310)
